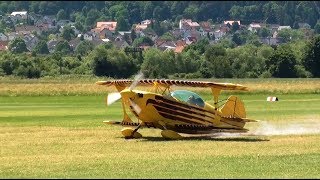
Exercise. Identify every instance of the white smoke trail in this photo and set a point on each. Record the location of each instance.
(289, 128)
(265, 128)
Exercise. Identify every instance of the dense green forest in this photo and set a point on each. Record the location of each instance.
(272, 12)
(225, 59)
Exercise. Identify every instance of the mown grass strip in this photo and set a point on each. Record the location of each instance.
(86, 86)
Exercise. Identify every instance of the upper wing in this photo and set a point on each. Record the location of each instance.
(167, 82)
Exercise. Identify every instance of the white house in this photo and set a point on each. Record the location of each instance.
(88, 36)
(146, 22)
(283, 27)
(19, 14)
(122, 33)
(106, 40)
(253, 27)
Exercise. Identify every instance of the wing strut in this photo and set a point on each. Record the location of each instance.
(216, 93)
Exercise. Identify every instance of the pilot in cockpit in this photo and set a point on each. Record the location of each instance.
(192, 100)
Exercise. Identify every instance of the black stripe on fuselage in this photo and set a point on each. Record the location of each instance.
(168, 108)
(162, 109)
(176, 107)
(174, 117)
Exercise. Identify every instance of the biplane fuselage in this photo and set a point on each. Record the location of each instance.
(166, 112)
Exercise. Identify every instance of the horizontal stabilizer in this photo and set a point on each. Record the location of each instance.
(240, 119)
(249, 120)
(112, 122)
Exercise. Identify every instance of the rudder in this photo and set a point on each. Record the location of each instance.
(234, 107)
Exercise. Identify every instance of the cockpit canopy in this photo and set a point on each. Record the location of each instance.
(188, 97)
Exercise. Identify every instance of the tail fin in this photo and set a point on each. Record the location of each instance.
(233, 108)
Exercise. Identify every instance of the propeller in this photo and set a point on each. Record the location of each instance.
(135, 107)
(113, 97)
(136, 80)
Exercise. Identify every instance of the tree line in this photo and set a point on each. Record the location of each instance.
(87, 13)
(198, 60)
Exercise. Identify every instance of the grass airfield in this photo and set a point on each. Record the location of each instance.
(62, 136)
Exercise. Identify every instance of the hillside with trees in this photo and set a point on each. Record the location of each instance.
(240, 53)
(87, 12)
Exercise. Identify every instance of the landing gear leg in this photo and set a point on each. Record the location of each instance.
(130, 133)
(135, 130)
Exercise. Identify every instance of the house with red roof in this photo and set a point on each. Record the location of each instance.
(188, 24)
(105, 29)
(110, 25)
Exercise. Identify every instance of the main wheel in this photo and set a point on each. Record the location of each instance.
(127, 133)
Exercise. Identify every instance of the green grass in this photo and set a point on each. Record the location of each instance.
(64, 137)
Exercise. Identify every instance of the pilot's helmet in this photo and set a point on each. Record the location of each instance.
(192, 98)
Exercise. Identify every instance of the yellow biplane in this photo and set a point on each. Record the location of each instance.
(178, 111)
